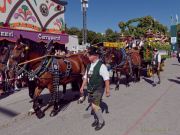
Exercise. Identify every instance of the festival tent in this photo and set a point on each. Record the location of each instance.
(38, 20)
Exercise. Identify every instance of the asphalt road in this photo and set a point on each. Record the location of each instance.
(137, 110)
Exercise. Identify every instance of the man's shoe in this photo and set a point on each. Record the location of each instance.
(99, 126)
(95, 123)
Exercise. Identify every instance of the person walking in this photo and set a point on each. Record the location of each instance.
(156, 65)
(97, 79)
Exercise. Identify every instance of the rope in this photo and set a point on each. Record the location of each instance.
(45, 56)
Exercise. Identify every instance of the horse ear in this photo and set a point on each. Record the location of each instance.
(21, 37)
(22, 55)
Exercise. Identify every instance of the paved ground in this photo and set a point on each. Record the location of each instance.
(138, 110)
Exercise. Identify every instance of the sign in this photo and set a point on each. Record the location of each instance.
(114, 44)
(173, 40)
(6, 34)
(173, 31)
(13, 34)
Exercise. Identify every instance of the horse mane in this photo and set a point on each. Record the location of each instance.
(32, 45)
(118, 56)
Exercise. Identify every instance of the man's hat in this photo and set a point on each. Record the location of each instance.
(93, 51)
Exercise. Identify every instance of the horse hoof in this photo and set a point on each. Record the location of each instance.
(31, 112)
(40, 114)
(53, 113)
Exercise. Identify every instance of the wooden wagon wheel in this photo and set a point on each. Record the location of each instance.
(149, 71)
(161, 66)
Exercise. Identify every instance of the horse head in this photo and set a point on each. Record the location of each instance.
(109, 56)
(18, 53)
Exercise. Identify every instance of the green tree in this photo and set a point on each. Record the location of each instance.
(111, 36)
(122, 26)
(138, 26)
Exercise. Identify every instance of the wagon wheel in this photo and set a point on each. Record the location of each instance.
(149, 71)
(161, 66)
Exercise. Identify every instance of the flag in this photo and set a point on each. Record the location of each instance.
(177, 19)
(172, 20)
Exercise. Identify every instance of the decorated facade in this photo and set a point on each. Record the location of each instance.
(39, 20)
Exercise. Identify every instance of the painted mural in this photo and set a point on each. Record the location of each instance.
(34, 15)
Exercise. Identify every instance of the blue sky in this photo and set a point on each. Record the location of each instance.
(104, 14)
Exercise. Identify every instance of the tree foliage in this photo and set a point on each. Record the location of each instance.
(134, 27)
(142, 25)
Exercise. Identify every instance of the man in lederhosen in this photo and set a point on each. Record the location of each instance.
(97, 79)
(156, 65)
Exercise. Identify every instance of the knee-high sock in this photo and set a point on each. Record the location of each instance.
(99, 115)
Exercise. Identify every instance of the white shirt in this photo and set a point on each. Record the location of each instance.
(102, 72)
(159, 57)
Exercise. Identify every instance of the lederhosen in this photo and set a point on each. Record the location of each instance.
(95, 86)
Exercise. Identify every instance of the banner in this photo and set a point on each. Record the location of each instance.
(13, 34)
(114, 44)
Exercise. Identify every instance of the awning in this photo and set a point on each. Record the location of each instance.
(13, 34)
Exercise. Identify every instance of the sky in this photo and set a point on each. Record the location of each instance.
(104, 14)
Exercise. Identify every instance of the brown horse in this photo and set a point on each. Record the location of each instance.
(123, 63)
(4, 55)
(48, 71)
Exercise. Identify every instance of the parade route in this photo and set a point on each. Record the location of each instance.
(140, 109)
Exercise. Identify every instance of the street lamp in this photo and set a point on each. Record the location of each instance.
(84, 4)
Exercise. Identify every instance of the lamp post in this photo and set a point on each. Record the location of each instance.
(84, 4)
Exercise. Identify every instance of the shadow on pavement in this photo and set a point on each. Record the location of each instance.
(173, 80)
(6, 94)
(148, 80)
(176, 64)
(69, 97)
(8, 112)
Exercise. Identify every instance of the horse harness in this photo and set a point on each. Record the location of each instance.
(48, 64)
(125, 57)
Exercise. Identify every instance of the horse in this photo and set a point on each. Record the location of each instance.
(123, 63)
(4, 55)
(48, 70)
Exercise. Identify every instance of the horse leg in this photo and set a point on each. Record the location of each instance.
(127, 79)
(64, 89)
(55, 99)
(36, 105)
(118, 80)
(113, 76)
(138, 74)
(75, 86)
(78, 85)
(63, 93)
(31, 87)
(135, 72)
